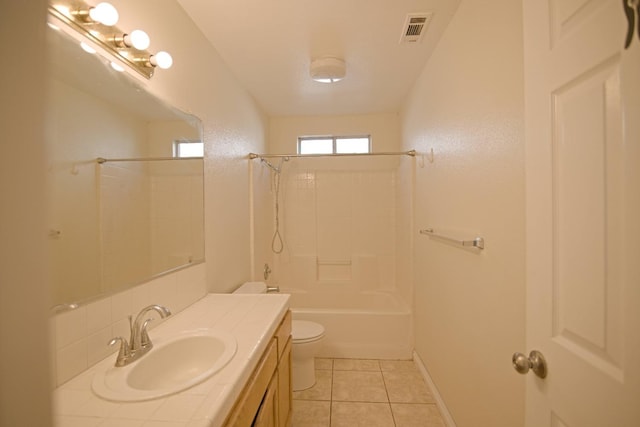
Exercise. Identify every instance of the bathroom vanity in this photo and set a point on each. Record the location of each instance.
(252, 389)
(266, 399)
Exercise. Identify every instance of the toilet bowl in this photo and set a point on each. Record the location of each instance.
(306, 340)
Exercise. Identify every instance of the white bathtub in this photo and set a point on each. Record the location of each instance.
(366, 325)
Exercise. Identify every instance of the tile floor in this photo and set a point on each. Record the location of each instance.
(367, 393)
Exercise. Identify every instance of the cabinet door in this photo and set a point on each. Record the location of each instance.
(285, 387)
(248, 404)
(267, 415)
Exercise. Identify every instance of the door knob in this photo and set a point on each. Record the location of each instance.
(536, 362)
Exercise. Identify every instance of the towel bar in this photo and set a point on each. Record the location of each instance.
(478, 242)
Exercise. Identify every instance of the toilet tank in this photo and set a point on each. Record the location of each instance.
(252, 288)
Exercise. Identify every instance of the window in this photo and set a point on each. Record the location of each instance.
(188, 148)
(334, 144)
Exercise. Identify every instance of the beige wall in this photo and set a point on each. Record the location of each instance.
(24, 388)
(199, 83)
(469, 307)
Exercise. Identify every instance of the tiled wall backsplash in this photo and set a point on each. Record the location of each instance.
(79, 337)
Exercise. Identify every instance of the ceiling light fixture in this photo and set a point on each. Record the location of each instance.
(96, 27)
(328, 69)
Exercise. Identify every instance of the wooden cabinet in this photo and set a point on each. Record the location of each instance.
(266, 399)
(267, 415)
(285, 386)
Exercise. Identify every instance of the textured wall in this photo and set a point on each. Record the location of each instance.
(469, 308)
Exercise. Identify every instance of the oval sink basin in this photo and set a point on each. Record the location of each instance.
(172, 365)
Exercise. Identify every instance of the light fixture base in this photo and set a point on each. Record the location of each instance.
(110, 39)
(328, 69)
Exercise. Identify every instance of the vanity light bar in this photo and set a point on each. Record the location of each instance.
(129, 49)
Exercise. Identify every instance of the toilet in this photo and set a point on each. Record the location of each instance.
(306, 340)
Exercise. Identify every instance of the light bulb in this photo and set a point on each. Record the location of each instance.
(87, 48)
(161, 59)
(138, 39)
(104, 13)
(117, 67)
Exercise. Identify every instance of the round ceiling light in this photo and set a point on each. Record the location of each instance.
(328, 69)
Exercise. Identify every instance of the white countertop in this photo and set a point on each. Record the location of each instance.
(253, 320)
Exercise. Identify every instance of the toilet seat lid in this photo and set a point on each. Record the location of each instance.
(304, 330)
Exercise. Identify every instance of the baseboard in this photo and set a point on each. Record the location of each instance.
(446, 415)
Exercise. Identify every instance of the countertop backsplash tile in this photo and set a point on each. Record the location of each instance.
(80, 336)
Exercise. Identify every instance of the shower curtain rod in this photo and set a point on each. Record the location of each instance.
(411, 153)
(102, 160)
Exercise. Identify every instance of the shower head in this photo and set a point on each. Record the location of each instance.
(273, 168)
(276, 169)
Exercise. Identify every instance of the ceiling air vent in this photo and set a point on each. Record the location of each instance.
(414, 27)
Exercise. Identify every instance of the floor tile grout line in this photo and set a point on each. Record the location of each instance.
(388, 403)
(386, 390)
(331, 392)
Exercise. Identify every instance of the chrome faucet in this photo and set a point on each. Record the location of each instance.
(139, 342)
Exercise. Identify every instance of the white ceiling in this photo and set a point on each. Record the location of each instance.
(269, 45)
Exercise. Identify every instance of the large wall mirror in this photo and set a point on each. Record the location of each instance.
(138, 215)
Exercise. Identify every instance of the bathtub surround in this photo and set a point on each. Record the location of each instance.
(469, 308)
(346, 231)
(337, 219)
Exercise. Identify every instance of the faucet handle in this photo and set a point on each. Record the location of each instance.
(124, 354)
(131, 330)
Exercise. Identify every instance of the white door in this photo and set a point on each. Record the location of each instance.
(582, 121)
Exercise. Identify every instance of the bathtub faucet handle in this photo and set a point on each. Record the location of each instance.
(273, 289)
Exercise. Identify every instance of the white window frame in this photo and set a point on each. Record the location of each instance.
(334, 140)
(179, 142)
